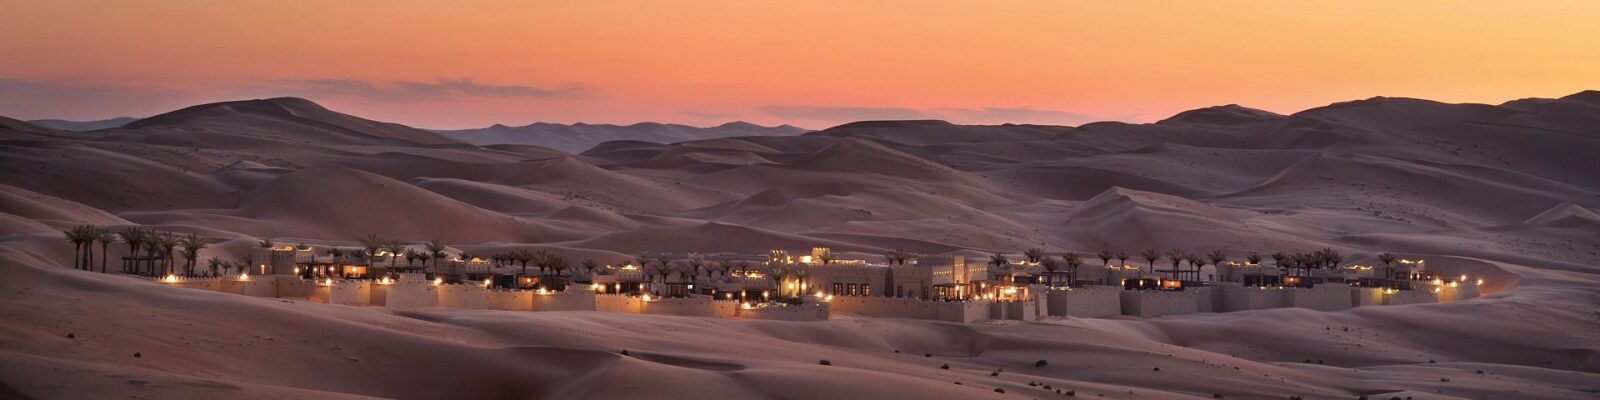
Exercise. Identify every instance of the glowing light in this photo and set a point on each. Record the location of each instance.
(487, 282)
(646, 297)
(1436, 290)
(746, 306)
(171, 278)
(1438, 281)
(385, 281)
(438, 281)
(1463, 277)
(829, 298)
(1480, 281)
(244, 276)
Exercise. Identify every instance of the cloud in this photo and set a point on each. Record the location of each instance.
(830, 113)
(985, 115)
(411, 91)
(81, 99)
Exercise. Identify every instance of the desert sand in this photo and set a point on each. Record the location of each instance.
(1507, 192)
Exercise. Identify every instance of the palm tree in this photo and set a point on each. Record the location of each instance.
(135, 238)
(588, 268)
(1278, 259)
(998, 260)
(800, 277)
(1332, 257)
(1105, 258)
(1176, 255)
(1122, 257)
(1253, 258)
(152, 248)
(1217, 257)
(168, 242)
(523, 256)
(435, 249)
(1195, 262)
(695, 264)
(335, 253)
(1050, 266)
(557, 264)
(191, 251)
(1073, 262)
(1033, 255)
(371, 244)
(396, 249)
(307, 248)
(777, 274)
(266, 243)
(411, 257)
(826, 257)
(214, 264)
(1150, 256)
(105, 237)
(1388, 260)
(76, 235)
(897, 257)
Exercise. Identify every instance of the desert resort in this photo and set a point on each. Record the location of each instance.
(781, 285)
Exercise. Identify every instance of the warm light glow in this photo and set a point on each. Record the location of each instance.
(385, 281)
(487, 282)
(1480, 281)
(172, 278)
(244, 276)
(438, 281)
(646, 297)
(828, 298)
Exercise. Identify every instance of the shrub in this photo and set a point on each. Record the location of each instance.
(1158, 369)
(999, 390)
(946, 366)
(137, 355)
(929, 355)
(1040, 363)
(72, 336)
(1216, 395)
(1072, 393)
(623, 352)
(825, 362)
(996, 373)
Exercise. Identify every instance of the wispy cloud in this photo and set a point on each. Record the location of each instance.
(985, 115)
(410, 91)
(830, 113)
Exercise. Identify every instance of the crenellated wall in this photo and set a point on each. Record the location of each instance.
(469, 296)
(1404, 297)
(1014, 310)
(411, 293)
(253, 286)
(203, 283)
(511, 300)
(571, 300)
(699, 306)
(804, 312)
(351, 292)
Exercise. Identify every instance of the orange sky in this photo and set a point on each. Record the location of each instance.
(814, 64)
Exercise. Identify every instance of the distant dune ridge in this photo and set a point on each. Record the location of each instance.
(576, 138)
(1507, 191)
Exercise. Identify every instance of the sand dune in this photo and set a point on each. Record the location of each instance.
(1505, 192)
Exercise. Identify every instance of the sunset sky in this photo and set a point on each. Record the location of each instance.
(812, 64)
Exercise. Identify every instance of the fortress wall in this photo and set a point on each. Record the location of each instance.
(510, 300)
(571, 300)
(805, 312)
(1085, 302)
(1154, 303)
(351, 292)
(468, 296)
(1327, 297)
